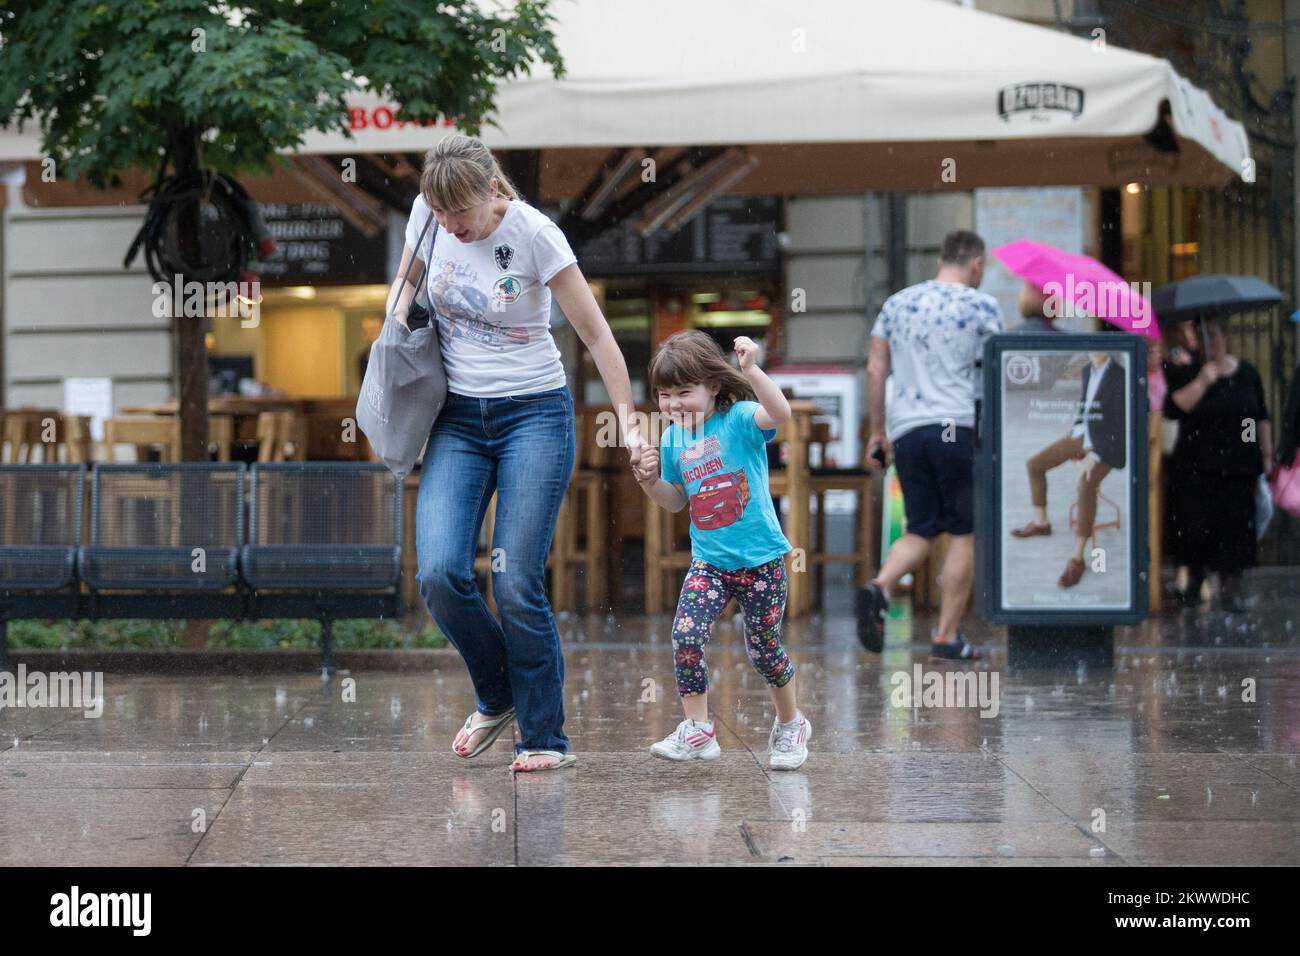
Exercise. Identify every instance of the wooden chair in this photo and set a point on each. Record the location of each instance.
(76, 438)
(20, 436)
(28, 435)
(859, 480)
(221, 436)
(581, 531)
(161, 432)
(664, 533)
(793, 482)
(280, 437)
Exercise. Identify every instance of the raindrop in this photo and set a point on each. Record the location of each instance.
(1209, 796)
(1097, 851)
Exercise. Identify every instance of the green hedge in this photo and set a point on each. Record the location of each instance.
(251, 635)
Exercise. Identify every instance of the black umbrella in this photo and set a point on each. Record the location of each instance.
(1201, 296)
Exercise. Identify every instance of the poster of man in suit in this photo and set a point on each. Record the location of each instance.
(1065, 485)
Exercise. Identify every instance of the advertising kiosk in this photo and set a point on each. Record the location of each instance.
(1061, 492)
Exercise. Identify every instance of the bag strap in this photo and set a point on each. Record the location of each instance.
(416, 251)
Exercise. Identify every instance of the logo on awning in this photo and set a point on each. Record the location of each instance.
(1038, 99)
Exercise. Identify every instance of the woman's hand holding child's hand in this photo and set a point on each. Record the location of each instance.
(646, 468)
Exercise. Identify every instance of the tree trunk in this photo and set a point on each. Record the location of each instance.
(191, 354)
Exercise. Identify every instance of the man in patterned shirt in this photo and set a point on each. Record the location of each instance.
(930, 336)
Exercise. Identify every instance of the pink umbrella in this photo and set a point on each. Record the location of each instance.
(1083, 282)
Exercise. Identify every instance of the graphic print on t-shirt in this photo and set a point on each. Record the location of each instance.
(461, 306)
(507, 289)
(722, 495)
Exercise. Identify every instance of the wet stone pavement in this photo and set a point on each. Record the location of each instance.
(1156, 760)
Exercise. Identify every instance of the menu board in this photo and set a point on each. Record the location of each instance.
(731, 234)
(317, 246)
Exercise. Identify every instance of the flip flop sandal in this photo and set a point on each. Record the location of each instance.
(494, 726)
(565, 760)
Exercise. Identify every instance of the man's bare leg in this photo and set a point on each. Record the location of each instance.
(905, 555)
(955, 580)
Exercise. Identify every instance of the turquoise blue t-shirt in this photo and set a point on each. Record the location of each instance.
(723, 468)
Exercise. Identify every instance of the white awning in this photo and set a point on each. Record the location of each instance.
(1010, 103)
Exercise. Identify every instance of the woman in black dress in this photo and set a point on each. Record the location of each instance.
(1180, 347)
(1224, 444)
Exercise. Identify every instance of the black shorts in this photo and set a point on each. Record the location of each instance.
(937, 478)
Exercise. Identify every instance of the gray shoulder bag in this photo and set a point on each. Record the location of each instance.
(405, 385)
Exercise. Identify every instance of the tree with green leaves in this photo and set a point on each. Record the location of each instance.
(117, 85)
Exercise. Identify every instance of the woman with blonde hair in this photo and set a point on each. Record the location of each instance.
(490, 269)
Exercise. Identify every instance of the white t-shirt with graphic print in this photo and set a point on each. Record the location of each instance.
(492, 302)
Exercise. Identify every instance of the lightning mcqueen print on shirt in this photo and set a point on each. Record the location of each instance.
(720, 501)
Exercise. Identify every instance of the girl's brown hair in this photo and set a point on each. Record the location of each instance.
(692, 358)
(458, 173)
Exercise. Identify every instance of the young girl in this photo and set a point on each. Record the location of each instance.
(714, 458)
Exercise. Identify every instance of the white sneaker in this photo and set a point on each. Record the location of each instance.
(787, 745)
(690, 741)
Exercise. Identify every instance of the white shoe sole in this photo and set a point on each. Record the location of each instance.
(712, 752)
(771, 765)
(771, 759)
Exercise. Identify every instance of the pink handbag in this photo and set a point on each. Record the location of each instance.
(1286, 487)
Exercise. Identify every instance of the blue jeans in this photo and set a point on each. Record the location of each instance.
(521, 447)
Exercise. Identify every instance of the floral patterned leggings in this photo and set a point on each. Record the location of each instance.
(705, 593)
